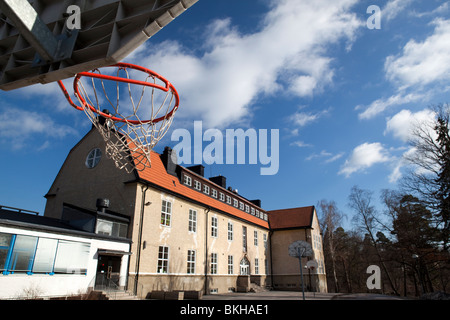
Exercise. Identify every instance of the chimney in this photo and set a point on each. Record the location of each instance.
(219, 180)
(169, 159)
(102, 204)
(198, 169)
(256, 202)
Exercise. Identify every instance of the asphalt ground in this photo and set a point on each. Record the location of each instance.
(295, 295)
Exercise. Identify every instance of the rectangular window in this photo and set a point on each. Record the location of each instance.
(247, 208)
(221, 196)
(241, 205)
(192, 220)
(244, 238)
(255, 238)
(197, 185)
(23, 254)
(265, 240)
(206, 189)
(166, 213)
(191, 262)
(72, 257)
(214, 227)
(5, 244)
(256, 266)
(252, 211)
(45, 255)
(214, 193)
(230, 231)
(228, 199)
(235, 203)
(213, 263)
(187, 180)
(111, 228)
(230, 265)
(163, 259)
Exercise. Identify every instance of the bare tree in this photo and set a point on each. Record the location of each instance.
(429, 176)
(330, 219)
(360, 201)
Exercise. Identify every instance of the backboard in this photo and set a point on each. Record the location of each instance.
(43, 41)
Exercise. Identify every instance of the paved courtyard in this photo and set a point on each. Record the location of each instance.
(293, 295)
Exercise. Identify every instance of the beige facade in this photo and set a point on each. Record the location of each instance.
(183, 238)
(286, 269)
(213, 242)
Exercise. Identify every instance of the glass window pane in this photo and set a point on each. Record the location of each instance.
(23, 254)
(45, 255)
(104, 227)
(72, 257)
(5, 242)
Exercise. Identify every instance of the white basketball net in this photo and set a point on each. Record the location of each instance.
(129, 142)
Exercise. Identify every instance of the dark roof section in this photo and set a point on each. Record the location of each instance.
(293, 218)
(20, 219)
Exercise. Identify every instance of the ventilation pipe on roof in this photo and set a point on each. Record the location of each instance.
(102, 204)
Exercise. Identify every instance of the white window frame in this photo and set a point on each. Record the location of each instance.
(255, 238)
(163, 261)
(166, 215)
(192, 224)
(228, 199)
(214, 227)
(213, 263)
(205, 189)
(197, 185)
(230, 231)
(230, 265)
(235, 203)
(214, 193)
(256, 266)
(221, 196)
(191, 254)
(187, 180)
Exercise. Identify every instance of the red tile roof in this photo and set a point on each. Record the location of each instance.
(291, 218)
(157, 174)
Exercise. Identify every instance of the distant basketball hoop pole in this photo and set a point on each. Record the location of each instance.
(300, 249)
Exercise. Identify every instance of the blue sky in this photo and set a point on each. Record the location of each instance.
(342, 96)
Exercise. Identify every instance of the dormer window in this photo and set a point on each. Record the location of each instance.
(197, 185)
(187, 180)
(206, 189)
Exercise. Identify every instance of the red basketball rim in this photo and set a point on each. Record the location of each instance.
(121, 65)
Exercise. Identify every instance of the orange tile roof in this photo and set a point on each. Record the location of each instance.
(157, 174)
(291, 218)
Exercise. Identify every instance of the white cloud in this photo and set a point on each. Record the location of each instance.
(300, 144)
(422, 63)
(302, 119)
(19, 127)
(363, 157)
(289, 54)
(420, 71)
(393, 8)
(329, 157)
(380, 105)
(402, 124)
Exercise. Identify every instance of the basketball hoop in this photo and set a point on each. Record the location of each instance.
(134, 129)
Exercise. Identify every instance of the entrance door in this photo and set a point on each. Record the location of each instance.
(108, 270)
(245, 267)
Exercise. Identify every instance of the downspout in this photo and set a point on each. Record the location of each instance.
(207, 209)
(139, 244)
